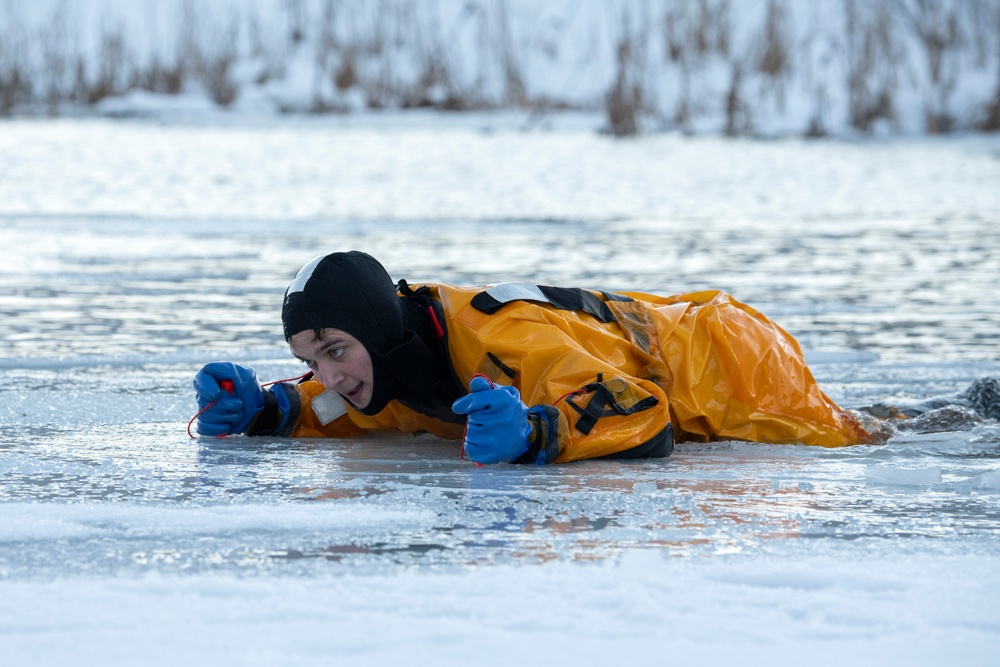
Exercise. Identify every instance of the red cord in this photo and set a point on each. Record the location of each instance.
(438, 329)
(466, 431)
(228, 386)
(295, 379)
(193, 436)
(571, 393)
(480, 375)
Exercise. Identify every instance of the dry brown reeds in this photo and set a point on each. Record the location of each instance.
(666, 64)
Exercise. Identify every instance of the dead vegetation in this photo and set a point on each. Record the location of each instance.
(873, 60)
(673, 63)
(936, 26)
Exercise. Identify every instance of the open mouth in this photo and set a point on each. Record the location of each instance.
(354, 394)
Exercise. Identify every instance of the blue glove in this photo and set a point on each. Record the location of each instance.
(231, 412)
(497, 428)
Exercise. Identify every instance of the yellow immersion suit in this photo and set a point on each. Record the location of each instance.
(622, 370)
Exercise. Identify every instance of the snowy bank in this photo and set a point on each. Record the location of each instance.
(764, 68)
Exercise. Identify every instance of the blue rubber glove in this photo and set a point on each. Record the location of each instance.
(231, 412)
(497, 429)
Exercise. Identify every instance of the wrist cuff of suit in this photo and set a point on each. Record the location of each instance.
(543, 443)
(280, 413)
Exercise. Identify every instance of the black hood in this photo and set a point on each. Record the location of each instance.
(351, 291)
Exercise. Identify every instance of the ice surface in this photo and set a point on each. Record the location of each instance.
(136, 252)
(990, 480)
(895, 476)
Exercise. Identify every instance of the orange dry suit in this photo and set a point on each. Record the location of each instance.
(619, 375)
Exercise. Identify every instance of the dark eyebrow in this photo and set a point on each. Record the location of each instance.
(327, 344)
(333, 340)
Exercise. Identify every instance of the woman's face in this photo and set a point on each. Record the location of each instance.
(339, 361)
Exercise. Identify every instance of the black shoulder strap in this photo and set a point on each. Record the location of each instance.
(564, 298)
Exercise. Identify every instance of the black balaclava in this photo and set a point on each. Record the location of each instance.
(351, 291)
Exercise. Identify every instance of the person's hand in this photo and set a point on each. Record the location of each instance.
(231, 395)
(497, 429)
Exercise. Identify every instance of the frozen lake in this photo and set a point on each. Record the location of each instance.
(134, 252)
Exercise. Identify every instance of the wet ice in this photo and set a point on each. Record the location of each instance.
(112, 302)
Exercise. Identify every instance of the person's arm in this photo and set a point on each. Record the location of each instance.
(233, 402)
(576, 405)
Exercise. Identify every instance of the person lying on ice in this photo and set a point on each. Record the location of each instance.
(526, 373)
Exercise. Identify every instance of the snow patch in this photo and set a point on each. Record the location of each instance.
(832, 611)
(144, 104)
(42, 521)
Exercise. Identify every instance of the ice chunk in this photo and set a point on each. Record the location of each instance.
(922, 443)
(988, 481)
(897, 476)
